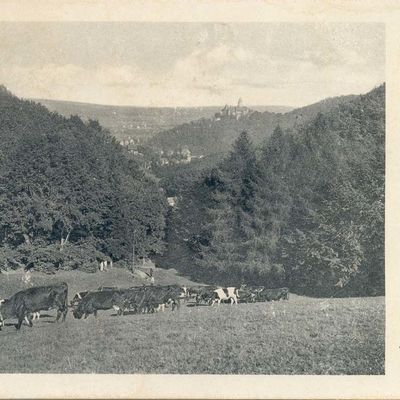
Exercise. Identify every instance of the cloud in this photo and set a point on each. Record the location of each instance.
(211, 74)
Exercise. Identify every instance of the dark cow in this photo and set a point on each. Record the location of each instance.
(118, 299)
(29, 301)
(273, 294)
(80, 295)
(130, 299)
(94, 301)
(154, 296)
(249, 294)
(201, 293)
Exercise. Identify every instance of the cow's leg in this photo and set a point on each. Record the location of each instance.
(95, 313)
(86, 315)
(20, 319)
(58, 314)
(30, 319)
(117, 309)
(64, 314)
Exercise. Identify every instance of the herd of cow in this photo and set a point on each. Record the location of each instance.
(27, 304)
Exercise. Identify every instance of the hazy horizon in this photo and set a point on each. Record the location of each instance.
(201, 106)
(142, 106)
(190, 64)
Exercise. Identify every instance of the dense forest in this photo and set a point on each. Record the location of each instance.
(305, 208)
(69, 193)
(298, 200)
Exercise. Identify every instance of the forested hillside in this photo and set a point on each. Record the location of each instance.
(69, 193)
(301, 207)
(305, 208)
(210, 136)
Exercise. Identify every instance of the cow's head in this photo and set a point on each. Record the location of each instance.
(77, 313)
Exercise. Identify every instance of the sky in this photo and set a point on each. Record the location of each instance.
(190, 64)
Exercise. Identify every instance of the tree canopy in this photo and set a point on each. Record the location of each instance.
(305, 208)
(63, 182)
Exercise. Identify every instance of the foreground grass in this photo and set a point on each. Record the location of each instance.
(300, 336)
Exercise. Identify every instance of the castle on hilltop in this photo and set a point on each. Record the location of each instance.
(236, 112)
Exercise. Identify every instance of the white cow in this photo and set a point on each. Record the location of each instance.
(229, 293)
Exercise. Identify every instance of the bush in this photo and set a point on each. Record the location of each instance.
(49, 258)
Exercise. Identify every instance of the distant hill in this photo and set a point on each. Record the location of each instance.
(209, 136)
(127, 121)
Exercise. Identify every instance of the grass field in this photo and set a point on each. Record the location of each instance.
(299, 336)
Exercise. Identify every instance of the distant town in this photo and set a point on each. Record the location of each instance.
(184, 155)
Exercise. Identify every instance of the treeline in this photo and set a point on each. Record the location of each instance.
(303, 209)
(210, 136)
(69, 194)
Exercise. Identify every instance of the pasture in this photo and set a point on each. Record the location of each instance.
(299, 336)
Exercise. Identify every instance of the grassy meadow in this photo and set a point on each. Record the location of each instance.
(299, 336)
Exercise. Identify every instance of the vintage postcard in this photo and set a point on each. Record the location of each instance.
(199, 199)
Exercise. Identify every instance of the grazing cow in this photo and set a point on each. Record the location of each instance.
(200, 293)
(224, 294)
(80, 295)
(33, 316)
(248, 294)
(214, 294)
(273, 294)
(29, 301)
(94, 301)
(155, 296)
(131, 298)
(117, 299)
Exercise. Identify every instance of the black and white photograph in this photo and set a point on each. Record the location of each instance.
(191, 198)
